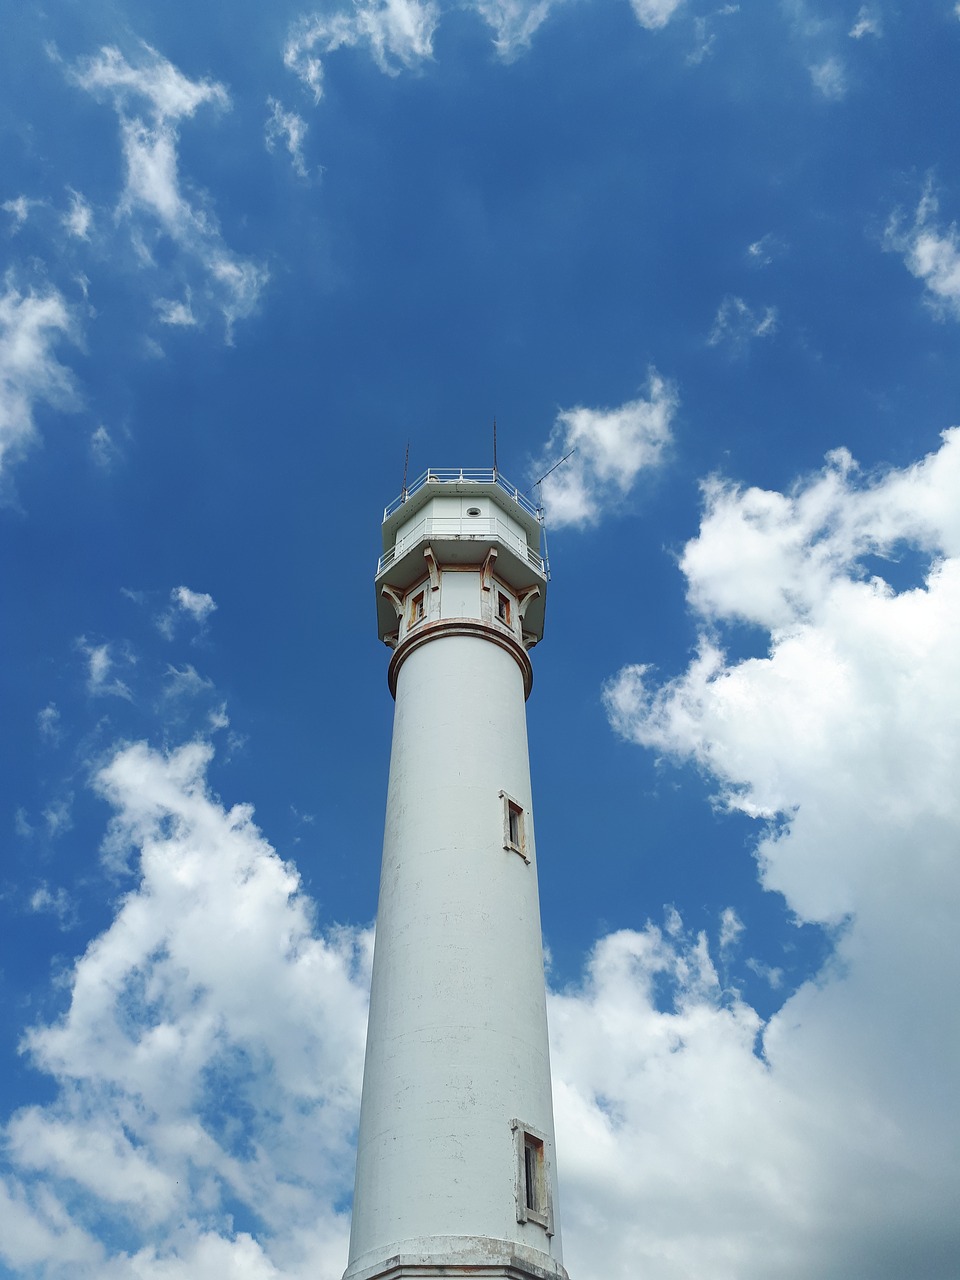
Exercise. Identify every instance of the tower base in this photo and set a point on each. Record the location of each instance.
(478, 1258)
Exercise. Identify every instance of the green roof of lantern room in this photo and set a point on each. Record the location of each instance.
(519, 561)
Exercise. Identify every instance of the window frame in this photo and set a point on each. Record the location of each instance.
(514, 824)
(530, 1151)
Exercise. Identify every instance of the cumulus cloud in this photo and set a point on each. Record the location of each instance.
(612, 447)
(736, 324)
(291, 129)
(931, 252)
(207, 1064)
(151, 98)
(842, 741)
(397, 33)
(31, 326)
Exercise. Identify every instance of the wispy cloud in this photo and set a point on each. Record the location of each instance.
(760, 253)
(612, 447)
(49, 724)
(654, 14)
(289, 128)
(736, 325)
(31, 326)
(151, 98)
(176, 312)
(397, 33)
(514, 22)
(704, 34)
(195, 605)
(79, 217)
(829, 78)
(19, 209)
(868, 23)
(101, 666)
(931, 252)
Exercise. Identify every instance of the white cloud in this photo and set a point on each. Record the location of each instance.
(151, 97)
(210, 984)
(931, 253)
(185, 682)
(102, 448)
(55, 902)
(829, 78)
(867, 23)
(199, 604)
(31, 325)
(731, 927)
(48, 723)
(289, 127)
(196, 605)
(19, 209)
(684, 1151)
(654, 14)
(762, 252)
(100, 668)
(79, 217)
(705, 36)
(736, 324)
(613, 446)
(398, 33)
(58, 816)
(514, 22)
(173, 312)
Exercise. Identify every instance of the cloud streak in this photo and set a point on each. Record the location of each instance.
(151, 98)
(32, 325)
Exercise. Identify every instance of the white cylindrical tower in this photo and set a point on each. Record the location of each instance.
(456, 1170)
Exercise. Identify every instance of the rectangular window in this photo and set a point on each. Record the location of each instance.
(532, 1160)
(533, 1177)
(417, 608)
(503, 608)
(514, 833)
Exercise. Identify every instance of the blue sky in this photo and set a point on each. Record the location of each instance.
(250, 252)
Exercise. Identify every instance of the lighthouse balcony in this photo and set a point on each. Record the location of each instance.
(463, 529)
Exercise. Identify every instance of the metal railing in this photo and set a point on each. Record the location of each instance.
(463, 529)
(451, 475)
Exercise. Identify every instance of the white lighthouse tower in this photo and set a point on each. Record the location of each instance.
(456, 1171)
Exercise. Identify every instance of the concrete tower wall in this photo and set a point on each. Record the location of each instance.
(457, 1048)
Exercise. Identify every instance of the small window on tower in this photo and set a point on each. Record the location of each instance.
(417, 608)
(514, 836)
(533, 1182)
(503, 608)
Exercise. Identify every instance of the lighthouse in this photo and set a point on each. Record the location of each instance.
(456, 1166)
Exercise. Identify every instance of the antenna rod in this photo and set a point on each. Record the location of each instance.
(551, 471)
(494, 448)
(406, 459)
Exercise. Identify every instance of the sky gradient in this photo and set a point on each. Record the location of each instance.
(251, 254)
